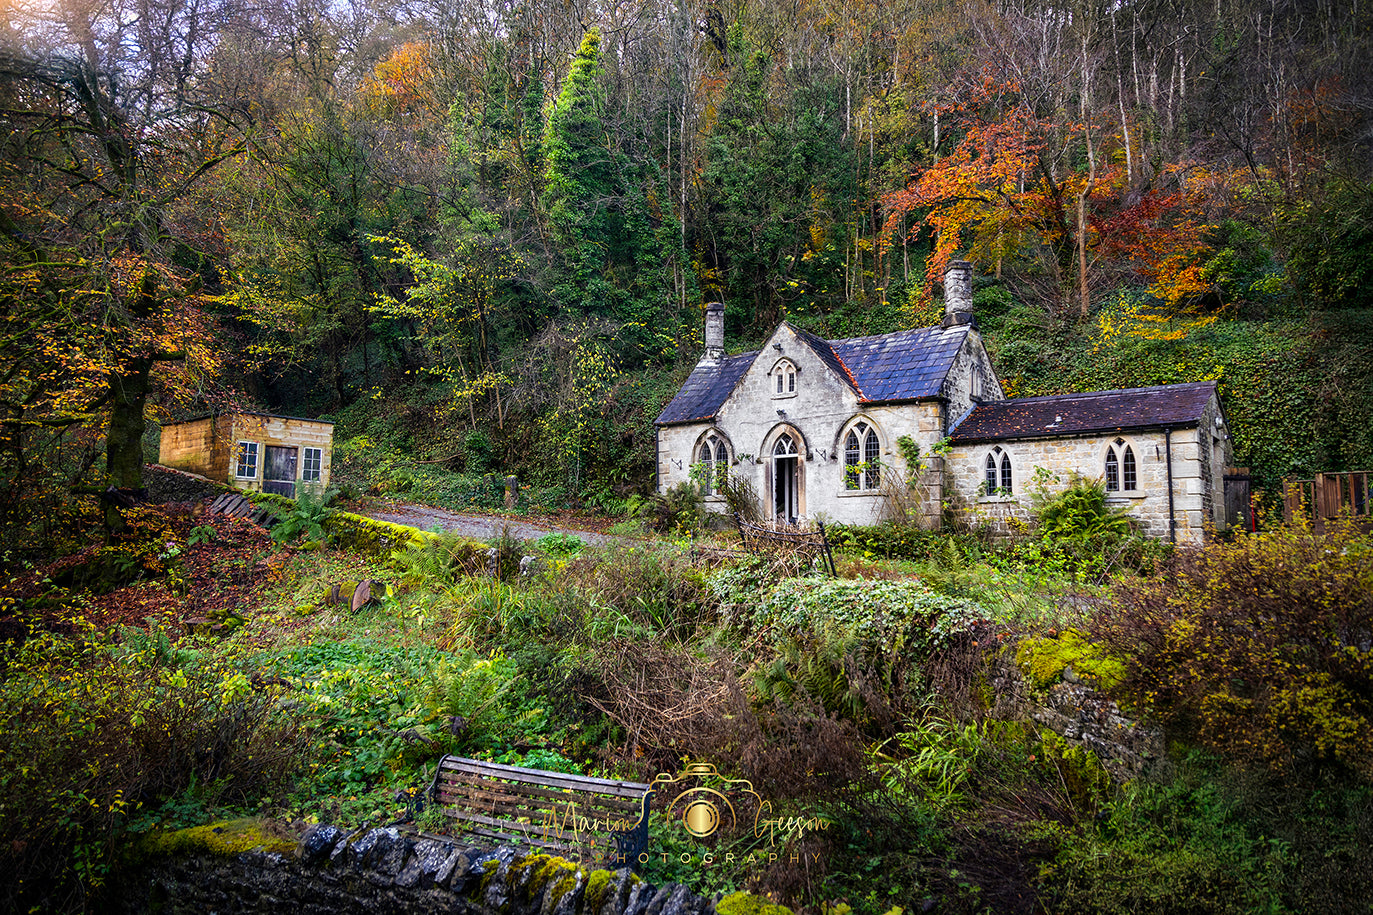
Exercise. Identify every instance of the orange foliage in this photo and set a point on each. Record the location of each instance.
(1004, 189)
(402, 81)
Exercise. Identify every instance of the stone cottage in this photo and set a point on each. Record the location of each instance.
(257, 451)
(824, 428)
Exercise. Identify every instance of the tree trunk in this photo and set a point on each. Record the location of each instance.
(124, 439)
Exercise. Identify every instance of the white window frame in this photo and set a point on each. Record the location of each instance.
(305, 464)
(1003, 468)
(245, 448)
(869, 479)
(1117, 449)
(782, 379)
(716, 466)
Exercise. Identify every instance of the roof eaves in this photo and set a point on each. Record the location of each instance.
(1076, 433)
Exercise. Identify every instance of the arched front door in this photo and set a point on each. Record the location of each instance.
(784, 480)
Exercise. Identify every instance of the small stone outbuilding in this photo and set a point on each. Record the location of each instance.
(256, 451)
(825, 428)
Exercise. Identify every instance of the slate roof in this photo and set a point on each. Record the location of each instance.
(908, 365)
(705, 390)
(1080, 414)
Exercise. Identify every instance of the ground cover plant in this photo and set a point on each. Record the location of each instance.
(861, 705)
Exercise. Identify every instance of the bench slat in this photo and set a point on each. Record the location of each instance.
(530, 833)
(513, 792)
(543, 777)
(541, 808)
(601, 819)
(585, 852)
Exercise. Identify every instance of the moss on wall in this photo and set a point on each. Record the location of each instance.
(222, 839)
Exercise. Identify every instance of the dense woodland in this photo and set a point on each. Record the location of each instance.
(429, 220)
(479, 236)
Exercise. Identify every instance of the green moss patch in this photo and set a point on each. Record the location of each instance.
(223, 839)
(1044, 660)
(748, 904)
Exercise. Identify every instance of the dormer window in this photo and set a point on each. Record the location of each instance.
(784, 378)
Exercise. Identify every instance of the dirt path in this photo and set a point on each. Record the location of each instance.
(480, 527)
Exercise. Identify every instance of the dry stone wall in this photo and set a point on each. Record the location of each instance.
(385, 872)
(1082, 716)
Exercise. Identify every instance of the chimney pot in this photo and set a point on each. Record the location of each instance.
(715, 332)
(958, 294)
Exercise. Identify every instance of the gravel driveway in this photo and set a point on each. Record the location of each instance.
(480, 527)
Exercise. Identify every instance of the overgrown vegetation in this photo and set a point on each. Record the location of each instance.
(860, 705)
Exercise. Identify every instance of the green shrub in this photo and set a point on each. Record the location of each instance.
(559, 546)
(436, 560)
(680, 510)
(96, 733)
(306, 517)
(894, 541)
(1261, 648)
(1080, 530)
(478, 450)
(859, 648)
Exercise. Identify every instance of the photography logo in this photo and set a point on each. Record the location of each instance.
(704, 801)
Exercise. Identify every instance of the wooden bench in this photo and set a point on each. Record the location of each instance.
(575, 816)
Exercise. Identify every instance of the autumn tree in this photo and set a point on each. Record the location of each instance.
(101, 293)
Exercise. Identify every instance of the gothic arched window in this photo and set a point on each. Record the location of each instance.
(862, 457)
(1121, 473)
(998, 473)
(784, 378)
(712, 457)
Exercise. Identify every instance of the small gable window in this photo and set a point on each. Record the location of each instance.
(1121, 475)
(998, 473)
(712, 464)
(862, 458)
(784, 378)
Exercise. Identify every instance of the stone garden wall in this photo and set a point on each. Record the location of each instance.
(382, 871)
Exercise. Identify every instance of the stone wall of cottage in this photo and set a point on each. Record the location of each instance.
(1198, 460)
(819, 416)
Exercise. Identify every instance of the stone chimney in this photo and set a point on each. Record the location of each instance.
(715, 332)
(958, 294)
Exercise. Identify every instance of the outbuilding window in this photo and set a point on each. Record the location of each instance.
(246, 468)
(1121, 475)
(312, 462)
(998, 473)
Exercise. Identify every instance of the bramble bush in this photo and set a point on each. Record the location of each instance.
(1261, 648)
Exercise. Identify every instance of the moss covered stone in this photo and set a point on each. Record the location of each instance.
(1044, 660)
(598, 885)
(748, 904)
(222, 839)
